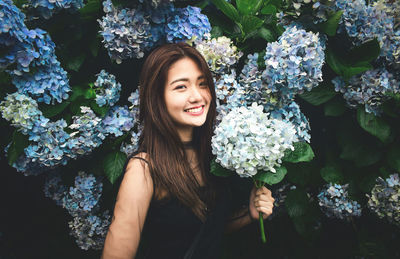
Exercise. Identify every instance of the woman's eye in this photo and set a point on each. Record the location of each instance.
(180, 87)
(203, 84)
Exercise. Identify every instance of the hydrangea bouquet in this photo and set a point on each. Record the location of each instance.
(250, 143)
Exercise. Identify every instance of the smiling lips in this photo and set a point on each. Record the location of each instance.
(196, 110)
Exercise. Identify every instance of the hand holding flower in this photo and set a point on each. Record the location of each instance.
(261, 200)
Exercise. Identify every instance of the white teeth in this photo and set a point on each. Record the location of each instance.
(195, 110)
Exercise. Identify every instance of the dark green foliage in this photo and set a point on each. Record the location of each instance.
(271, 178)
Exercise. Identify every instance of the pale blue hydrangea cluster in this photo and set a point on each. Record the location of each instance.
(385, 199)
(90, 231)
(292, 113)
(335, 203)
(31, 55)
(107, 89)
(117, 120)
(21, 111)
(47, 8)
(294, 63)
(84, 196)
(135, 132)
(89, 226)
(220, 53)
(128, 33)
(87, 134)
(364, 22)
(369, 89)
(247, 141)
(49, 141)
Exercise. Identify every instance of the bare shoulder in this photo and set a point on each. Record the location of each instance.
(137, 179)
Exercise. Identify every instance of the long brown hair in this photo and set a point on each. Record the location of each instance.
(168, 163)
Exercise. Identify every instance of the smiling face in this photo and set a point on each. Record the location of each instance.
(187, 96)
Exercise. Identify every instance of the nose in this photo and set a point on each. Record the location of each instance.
(195, 95)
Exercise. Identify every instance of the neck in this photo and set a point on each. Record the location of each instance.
(186, 135)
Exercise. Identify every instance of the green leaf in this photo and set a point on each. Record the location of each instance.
(343, 67)
(91, 7)
(269, 9)
(102, 111)
(50, 111)
(94, 47)
(76, 92)
(301, 174)
(74, 63)
(302, 153)
(330, 26)
(218, 170)
(366, 52)
(113, 165)
(393, 158)
(19, 142)
(296, 203)
(228, 9)
(90, 94)
(247, 7)
(266, 34)
(271, 178)
(362, 153)
(334, 107)
(332, 174)
(356, 69)
(373, 125)
(251, 23)
(319, 95)
(216, 32)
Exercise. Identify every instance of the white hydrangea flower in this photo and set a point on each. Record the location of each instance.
(247, 140)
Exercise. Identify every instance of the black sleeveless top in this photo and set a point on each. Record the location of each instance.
(172, 230)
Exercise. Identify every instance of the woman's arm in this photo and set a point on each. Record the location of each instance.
(260, 201)
(130, 211)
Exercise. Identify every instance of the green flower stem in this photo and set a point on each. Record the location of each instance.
(259, 184)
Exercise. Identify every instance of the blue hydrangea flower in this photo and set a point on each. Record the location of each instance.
(364, 22)
(135, 132)
(29, 49)
(117, 120)
(47, 8)
(186, 24)
(384, 199)
(107, 89)
(87, 134)
(293, 63)
(292, 113)
(84, 197)
(247, 140)
(126, 32)
(369, 89)
(335, 203)
(90, 231)
(49, 140)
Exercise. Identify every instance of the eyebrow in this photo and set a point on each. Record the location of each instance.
(186, 79)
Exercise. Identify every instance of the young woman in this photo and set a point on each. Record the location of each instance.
(167, 197)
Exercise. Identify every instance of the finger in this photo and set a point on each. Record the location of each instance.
(264, 197)
(263, 190)
(263, 204)
(265, 210)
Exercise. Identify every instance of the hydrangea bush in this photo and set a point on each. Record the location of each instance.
(274, 59)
